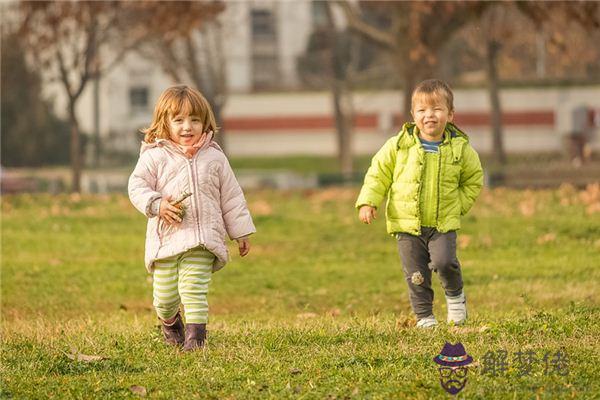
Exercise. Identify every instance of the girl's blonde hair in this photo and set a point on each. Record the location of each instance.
(433, 88)
(174, 101)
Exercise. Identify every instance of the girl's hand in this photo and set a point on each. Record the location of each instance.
(244, 246)
(367, 214)
(168, 212)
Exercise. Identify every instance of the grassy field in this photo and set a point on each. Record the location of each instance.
(318, 309)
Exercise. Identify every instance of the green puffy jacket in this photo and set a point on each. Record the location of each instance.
(397, 171)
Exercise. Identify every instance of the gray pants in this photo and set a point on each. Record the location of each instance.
(431, 251)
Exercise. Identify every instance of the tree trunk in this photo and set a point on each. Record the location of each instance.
(410, 78)
(499, 156)
(343, 113)
(75, 150)
(342, 105)
(341, 97)
(205, 75)
(218, 112)
(97, 141)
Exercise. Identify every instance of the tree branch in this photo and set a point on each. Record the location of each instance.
(370, 32)
(64, 74)
(192, 67)
(88, 56)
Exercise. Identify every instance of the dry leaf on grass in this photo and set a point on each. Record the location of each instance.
(591, 198)
(331, 195)
(261, 208)
(54, 262)
(139, 390)
(75, 197)
(464, 241)
(548, 237)
(85, 357)
(486, 240)
(591, 194)
(334, 312)
(527, 207)
(55, 209)
(567, 194)
(593, 208)
(468, 329)
(405, 321)
(306, 315)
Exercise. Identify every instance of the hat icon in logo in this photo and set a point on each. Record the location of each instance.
(453, 361)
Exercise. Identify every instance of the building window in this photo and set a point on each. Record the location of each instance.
(265, 54)
(319, 14)
(138, 99)
(263, 24)
(265, 72)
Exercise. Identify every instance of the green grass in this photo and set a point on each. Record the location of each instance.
(298, 164)
(318, 309)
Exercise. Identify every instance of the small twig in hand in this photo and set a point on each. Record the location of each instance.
(181, 198)
(182, 207)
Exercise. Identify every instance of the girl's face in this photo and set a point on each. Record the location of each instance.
(185, 129)
(431, 114)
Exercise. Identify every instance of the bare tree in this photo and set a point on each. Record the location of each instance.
(497, 30)
(571, 29)
(65, 40)
(340, 51)
(496, 27)
(412, 32)
(186, 39)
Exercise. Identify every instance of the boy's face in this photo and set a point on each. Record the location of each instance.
(431, 113)
(185, 129)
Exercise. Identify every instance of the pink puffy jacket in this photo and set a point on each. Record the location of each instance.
(216, 208)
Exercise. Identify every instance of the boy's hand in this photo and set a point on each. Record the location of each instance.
(168, 212)
(367, 214)
(244, 246)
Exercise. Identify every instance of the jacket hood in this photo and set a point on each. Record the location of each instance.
(169, 144)
(409, 136)
(410, 128)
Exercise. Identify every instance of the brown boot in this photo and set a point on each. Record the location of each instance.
(195, 334)
(173, 332)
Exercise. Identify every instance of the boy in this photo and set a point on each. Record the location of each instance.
(431, 176)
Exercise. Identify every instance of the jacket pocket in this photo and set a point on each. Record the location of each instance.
(451, 172)
(164, 231)
(159, 235)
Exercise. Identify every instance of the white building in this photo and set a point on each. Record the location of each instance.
(262, 40)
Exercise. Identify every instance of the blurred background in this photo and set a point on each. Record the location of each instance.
(305, 92)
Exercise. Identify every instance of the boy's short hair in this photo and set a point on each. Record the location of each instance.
(434, 87)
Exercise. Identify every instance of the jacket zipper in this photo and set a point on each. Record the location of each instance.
(439, 174)
(422, 167)
(194, 199)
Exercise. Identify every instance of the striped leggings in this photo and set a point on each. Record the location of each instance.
(183, 278)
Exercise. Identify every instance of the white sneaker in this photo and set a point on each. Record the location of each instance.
(457, 309)
(427, 322)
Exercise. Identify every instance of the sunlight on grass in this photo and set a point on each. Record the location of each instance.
(319, 308)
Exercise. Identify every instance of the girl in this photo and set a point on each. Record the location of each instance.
(184, 185)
